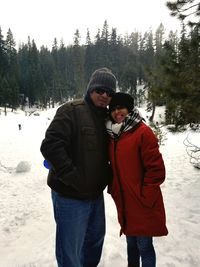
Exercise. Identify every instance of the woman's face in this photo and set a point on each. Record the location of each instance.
(118, 114)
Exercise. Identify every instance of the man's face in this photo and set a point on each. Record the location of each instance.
(101, 97)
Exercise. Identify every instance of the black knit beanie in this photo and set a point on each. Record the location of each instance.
(102, 78)
(121, 100)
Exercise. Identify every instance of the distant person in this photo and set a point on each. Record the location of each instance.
(19, 126)
(138, 171)
(76, 147)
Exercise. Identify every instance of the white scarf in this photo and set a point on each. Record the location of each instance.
(131, 120)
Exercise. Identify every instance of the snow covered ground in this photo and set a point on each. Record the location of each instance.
(27, 228)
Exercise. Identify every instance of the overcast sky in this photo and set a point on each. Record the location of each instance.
(43, 20)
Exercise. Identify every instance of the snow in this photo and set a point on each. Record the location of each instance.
(27, 227)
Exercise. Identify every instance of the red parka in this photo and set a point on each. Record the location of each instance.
(138, 171)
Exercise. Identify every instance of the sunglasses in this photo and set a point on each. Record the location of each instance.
(101, 91)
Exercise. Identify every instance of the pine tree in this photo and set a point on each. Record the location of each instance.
(12, 69)
(78, 66)
(88, 59)
(3, 57)
(47, 72)
(185, 10)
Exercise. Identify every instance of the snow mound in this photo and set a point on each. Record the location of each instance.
(5, 169)
(23, 166)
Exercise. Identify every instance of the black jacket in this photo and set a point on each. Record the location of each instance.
(76, 146)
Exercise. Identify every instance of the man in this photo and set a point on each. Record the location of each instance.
(75, 146)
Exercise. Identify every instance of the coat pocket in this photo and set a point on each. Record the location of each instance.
(150, 194)
(73, 179)
(89, 137)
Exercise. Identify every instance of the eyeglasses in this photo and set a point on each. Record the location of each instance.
(101, 91)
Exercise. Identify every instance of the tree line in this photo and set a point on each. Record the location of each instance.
(168, 67)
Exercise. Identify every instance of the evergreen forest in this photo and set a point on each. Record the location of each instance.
(167, 65)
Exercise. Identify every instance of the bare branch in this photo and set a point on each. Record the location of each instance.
(193, 152)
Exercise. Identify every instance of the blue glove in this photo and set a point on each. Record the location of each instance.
(46, 164)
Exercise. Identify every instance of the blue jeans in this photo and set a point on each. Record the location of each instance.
(140, 247)
(80, 231)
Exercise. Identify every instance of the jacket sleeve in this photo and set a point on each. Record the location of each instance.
(55, 146)
(154, 168)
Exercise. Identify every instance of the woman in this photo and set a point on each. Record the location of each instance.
(138, 171)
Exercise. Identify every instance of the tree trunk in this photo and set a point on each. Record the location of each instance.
(5, 110)
(153, 112)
